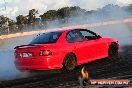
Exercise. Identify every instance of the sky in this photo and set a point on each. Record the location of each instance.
(21, 7)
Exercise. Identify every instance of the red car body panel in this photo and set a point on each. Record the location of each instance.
(85, 52)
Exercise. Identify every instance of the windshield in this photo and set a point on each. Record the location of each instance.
(45, 38)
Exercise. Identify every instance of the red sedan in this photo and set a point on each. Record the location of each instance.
(64, 49)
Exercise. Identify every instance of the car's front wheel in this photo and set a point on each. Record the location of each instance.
(69, 62)
(113, 51)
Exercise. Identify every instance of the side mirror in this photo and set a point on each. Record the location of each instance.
(98, 37)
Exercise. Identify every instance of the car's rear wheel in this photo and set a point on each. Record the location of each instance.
(113, 51)
(69, 62)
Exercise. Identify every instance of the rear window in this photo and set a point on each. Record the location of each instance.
(45, 38)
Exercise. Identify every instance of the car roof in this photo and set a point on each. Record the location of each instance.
(62, 30)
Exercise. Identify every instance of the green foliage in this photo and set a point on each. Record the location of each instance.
(29, 19)
(3, 24)
(70, 11)
(12, 26)
(49, 15)
(61, 15)
(21, 20)
(32, 16)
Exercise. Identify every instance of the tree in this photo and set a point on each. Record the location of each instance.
(64, 12)
(21, 21)
(76, 11)
(67, 12)
(12, 26)
(49, 15)
(4, 24)
(32, 16)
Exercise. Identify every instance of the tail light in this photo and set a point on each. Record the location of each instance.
(45, 53)
(17, 55)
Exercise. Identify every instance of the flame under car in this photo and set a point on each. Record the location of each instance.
(64, 49)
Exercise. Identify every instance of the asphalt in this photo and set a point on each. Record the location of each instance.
(120, 68)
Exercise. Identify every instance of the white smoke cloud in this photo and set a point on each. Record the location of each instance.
(17, 7)
(93, 4)
(124, 2)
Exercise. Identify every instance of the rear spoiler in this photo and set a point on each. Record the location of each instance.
(25, 45)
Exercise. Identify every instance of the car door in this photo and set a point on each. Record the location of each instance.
(74, 38)
(94, 46)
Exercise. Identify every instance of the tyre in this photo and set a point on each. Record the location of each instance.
(113, 51)
(69, 63)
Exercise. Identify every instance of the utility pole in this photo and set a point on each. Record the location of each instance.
(7, 23)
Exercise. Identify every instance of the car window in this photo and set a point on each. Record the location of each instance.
(74, 36)
(88, 35)
(45, 38)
